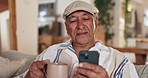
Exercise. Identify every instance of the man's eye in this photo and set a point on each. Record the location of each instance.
(86, 19)
(72, 21)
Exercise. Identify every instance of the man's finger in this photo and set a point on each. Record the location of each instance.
(36, 75)
(39, 64)
(81, 76)
(38, 68)
(86, 73)
(37, 72)
(93, 67)
(46, 61)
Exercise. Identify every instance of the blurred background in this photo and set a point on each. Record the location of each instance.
(30, 26)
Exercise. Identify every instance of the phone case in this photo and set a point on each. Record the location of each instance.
(89, 56)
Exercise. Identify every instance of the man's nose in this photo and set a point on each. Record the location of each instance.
(80, 25)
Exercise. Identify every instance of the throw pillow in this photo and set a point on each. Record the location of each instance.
(8, 68)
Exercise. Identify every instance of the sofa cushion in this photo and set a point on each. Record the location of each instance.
(25, 67)
(16, 55)
(142, 71)
(10, 67)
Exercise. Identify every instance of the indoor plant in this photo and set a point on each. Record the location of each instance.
(105, 17)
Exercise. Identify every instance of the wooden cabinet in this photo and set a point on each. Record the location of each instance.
(47, 40)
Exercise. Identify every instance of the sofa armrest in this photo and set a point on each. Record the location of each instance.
(142, 71)
(15, 55)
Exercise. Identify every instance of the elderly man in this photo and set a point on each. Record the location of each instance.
(81, 22)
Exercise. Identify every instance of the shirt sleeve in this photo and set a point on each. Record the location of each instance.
(130, 71)
(38, 58)
(41, 56)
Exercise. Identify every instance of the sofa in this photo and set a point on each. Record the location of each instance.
(142, 70)
(21, 61)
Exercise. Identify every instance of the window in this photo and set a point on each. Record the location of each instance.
(46, 10)
(146, 17)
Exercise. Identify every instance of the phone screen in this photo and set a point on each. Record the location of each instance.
(89, 56)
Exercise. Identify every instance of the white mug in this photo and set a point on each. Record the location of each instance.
(57, 70)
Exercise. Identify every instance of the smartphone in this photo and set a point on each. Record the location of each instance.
(89, 56)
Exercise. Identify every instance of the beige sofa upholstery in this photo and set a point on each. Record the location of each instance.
(142, 70)
(15, 55)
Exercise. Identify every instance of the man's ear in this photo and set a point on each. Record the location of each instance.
(65, 24)
(96, 21)
(66, 27)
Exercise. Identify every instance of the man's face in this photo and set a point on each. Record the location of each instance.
(80, 26)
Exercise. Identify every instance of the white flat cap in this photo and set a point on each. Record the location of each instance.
(79, 5)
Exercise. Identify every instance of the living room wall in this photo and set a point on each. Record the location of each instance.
(27, 30)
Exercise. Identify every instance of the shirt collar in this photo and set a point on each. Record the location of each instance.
(68, 44)
(68, 48)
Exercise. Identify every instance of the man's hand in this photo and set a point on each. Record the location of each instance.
(87, 70)
(37, 69)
